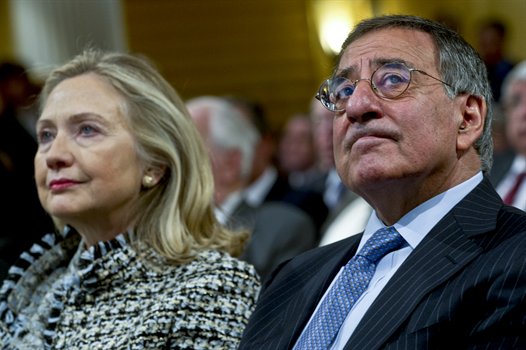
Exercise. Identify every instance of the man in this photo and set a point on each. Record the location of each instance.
(442, 260)
(335, 195)
(297, 153)
(508, 172)
(279, 230)
(492, 35)
(266, 184)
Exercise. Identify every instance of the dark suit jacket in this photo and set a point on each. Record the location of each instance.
(311, 202)
(279, 231)
(501, 166)
(464, 286)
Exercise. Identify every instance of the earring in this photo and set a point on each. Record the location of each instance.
(148, 181)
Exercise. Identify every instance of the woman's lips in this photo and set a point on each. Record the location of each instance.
(61, 184)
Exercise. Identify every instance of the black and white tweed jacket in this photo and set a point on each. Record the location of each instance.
(110, 297)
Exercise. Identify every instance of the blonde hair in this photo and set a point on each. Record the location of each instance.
(176, 217)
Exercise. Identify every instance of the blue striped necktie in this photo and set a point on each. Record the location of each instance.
(351, 283)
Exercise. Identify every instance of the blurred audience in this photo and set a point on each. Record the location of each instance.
(266, 183)
(335, 194)
(492, 35)
(509, 168)
(20, 92)
(348, 212)
(500, 139)
(18, 194)
(297, 153)
(279, 230)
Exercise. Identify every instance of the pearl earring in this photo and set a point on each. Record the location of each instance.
(148, 181)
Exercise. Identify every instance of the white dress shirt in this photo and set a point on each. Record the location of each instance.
(518, 166)
(350, 221)
(225, 210)
(255, 193)
(334, 189)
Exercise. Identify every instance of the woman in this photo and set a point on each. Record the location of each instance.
(140, 261)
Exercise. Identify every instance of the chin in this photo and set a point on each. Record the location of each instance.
(61, 211)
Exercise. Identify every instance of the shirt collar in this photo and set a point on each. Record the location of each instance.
(224, 210)
(519, 164)
(417, 223)
(255, 193)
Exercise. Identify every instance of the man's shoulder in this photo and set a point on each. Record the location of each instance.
(501, 164)
(512, 220)
(317, 260)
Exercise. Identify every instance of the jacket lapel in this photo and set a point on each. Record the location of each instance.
(300, 289)
(445, 250)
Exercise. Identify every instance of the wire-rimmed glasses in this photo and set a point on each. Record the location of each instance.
(389, 81)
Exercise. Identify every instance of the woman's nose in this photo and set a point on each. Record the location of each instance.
(59, 154)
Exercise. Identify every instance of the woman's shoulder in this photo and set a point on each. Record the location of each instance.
(209, 268)
(216, 267)
(212, 277)
(220, 259)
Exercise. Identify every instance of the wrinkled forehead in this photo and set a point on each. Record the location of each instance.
(414, 48)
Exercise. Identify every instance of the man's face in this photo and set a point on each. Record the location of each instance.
(296, 148)
(515, 106)
(413, 138)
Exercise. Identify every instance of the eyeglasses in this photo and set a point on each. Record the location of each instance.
(389, 81)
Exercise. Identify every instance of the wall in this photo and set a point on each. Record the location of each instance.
(6, 44)
(258, 49)
(263, 49)
(267, 50)
(468, 14)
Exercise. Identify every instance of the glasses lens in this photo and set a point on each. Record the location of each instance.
(324, 95)
(341, 89)
(391, 80)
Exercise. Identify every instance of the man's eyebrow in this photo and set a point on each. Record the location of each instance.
(346, 72)
(375, 63)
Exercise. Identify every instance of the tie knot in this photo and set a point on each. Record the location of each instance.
(382, 242)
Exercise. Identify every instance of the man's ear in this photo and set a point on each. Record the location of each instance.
(473, 111)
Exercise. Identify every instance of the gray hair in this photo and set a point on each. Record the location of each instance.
(459, 65)
(518, 73)
(229, 129)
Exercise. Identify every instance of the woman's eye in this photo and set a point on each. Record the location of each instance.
(44, 136)
(87, 130)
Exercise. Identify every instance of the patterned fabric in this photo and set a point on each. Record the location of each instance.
(114, 297)
(347, 289)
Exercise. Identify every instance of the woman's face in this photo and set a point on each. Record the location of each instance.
(87, 170)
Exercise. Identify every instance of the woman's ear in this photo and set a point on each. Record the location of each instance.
(152, 176)
(473, 110)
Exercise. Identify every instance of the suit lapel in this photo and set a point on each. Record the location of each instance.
(294, 290)
(312, 292)
(443, 252)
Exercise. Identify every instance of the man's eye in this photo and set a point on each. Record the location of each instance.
(344, 91)
(391, 79)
